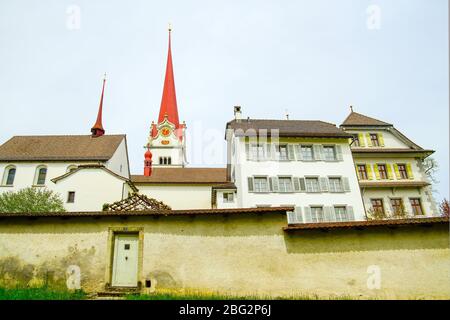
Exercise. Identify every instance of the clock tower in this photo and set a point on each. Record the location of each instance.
(167, 141)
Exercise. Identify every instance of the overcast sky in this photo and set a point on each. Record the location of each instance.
(389, 59)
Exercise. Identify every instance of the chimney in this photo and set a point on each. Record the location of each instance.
(237, 113)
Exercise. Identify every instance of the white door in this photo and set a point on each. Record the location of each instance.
(125, 260)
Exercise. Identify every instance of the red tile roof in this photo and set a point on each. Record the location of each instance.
(358, 119)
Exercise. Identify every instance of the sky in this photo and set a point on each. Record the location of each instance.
(311, 59)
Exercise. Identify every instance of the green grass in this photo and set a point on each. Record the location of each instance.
(199, 295)
(39, 293)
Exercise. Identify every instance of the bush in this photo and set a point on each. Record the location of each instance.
(31, 200)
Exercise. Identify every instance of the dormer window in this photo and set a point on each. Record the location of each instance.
(41, 174)
(374, 140)
(9, 175)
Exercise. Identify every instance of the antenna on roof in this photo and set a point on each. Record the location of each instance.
(351, 108)
(287, 114)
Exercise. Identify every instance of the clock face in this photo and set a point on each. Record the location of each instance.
(165, 131)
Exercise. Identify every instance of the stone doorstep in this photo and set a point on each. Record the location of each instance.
(118, 292)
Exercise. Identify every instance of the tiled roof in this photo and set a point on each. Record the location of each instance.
(183, 176)
(60, 148)
(287, 128)
(146, 212)
(358, 119)
(369, 223)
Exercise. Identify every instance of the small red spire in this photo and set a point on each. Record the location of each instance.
(148, 163)
(169, 98)
(97, 130)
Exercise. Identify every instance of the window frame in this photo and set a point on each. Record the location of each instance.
(69, 198)
(260, 178)
(316, 179)
(374, 139)
(37, 178)
(324, 153)
(290, 184)
(381, 205)
(383, 173)
(225, 197)
(315, 217)
(366, 176)
(339, 217)
(403, 172)
(397, 204)
(356, 142)
(413, 206)
(302, 151)
(341, 185)
(6, 176)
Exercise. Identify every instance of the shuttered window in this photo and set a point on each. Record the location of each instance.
(362, 172)
(335, 184)
(307, 153)
(382, 172)
(285, 184)
(312, 185)
(402, 171)
(282, 152)
(416, 206)
(329, 153)
(260, 184)
(340, 213)
(317, 214)
(374, 140)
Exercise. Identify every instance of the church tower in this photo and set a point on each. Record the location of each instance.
(166, 142)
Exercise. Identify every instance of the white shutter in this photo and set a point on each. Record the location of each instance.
(250, 184)
(302, 184)
(274, 184)
(268, 151)
(307, 215)
(346, 184)
(317, 150)
(329, 214)
(247, 151)
(290, 149)
(323, 182)
(350, 213)
(339, 156)
(295, 216)
(298, 152)
(296, 184)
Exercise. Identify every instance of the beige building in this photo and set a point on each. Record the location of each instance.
(390, 169)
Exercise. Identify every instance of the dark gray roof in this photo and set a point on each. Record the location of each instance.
(60, 148)
(358, 119)
(287, 128)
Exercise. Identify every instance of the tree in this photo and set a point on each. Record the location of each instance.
(31, 200)
(431, 167)
(444, 207)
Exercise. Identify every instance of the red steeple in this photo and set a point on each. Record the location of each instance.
(97, 130)
(169, 98)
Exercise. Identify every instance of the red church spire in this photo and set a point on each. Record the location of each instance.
(97, 130)
(169, 98)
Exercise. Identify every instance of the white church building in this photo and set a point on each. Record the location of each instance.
(327, 173)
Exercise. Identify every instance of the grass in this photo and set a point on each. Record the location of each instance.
(39, 293)
(201, 295)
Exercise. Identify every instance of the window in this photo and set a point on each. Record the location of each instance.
(316, 214)
(340, 213)
(261, 184)
(9, 175)
(374, 139)
(377, 205)
(329, 153)
(362, 171)
(335, 185)
(228, 197)
(283, 152)
(257, 151)
(416, 206)
(307, 153)
(356, 142)
(41, 174)
(165, 160)
(382, 171)
(312, 184)
(397, 206)
(402, 171)
(71, 197)
(285, 184)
